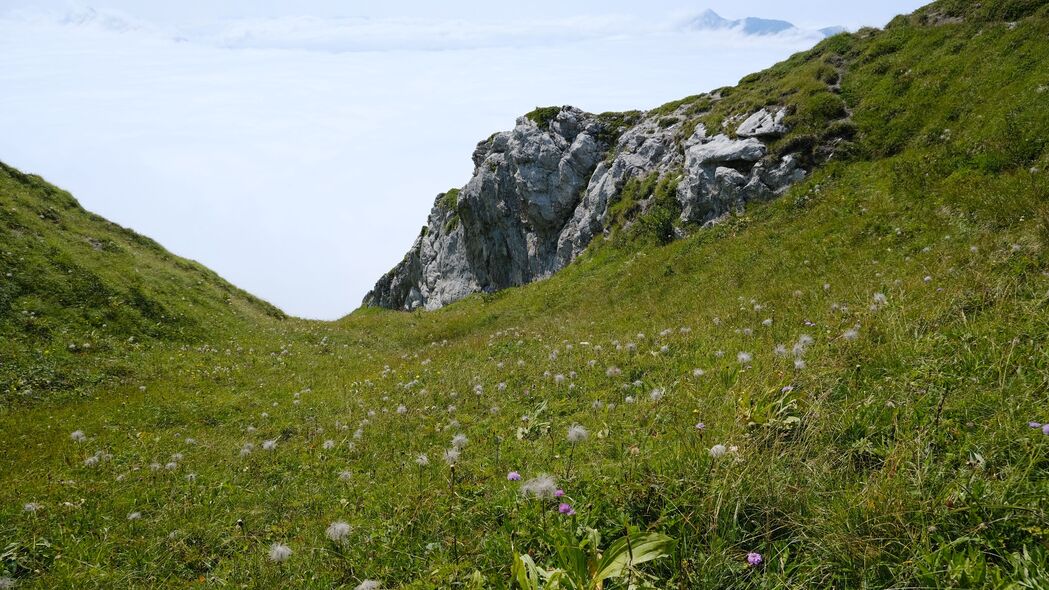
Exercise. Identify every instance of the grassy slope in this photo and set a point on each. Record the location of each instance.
(901, 457)
(77, 290)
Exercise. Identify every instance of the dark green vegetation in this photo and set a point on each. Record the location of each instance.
(908, 276)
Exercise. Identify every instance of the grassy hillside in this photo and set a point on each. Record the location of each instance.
(864, 354)
(78, 293)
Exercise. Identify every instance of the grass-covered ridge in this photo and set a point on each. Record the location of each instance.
(869, 350)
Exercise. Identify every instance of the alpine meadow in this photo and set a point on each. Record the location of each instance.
(802, 344)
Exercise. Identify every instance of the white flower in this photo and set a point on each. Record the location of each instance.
(577, 434)
(279, 552)
(543, 487)
(718, 451)
(78, 436)
(269, 445)
(369, 585)
(338, 531)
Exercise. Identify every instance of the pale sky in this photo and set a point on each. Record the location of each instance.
(296, 147)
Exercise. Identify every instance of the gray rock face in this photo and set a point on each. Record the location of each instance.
(540, 195)
(763, 124)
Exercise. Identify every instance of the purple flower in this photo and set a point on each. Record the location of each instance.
(701, 427)
(754, 558)
(1034, 424)
(566, 509)
(559, 494)
(513, 476)
(1045, 428)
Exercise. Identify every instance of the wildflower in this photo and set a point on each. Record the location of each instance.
(851, 334)
(451, 456)
(754, 559)
(700, 427)
(1045, 429)
(542, 487)
(154, 466)
(134, 516)
(247, 449)
(31, 507)
(345, 475)
(176, 457)
(78, 436)
(613, 372)
(1034, 424)
(629, 399)
(566, 509)
(279, 552)
(780, 350)
(698, 372)
(171, 466)
(719, 353)
(191, 477)
(559, 379)
(717, 451)
(577, 434)
(329, 444)
(513, 476)
(337, 531)
(559, 493)
(459, 441)
(656, 394)
(369, 585)
(91, 461)
(191, 441)
(402, 409)
(744, 357)
(880, 299)
(799, 364)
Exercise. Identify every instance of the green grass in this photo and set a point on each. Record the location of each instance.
(899, 456)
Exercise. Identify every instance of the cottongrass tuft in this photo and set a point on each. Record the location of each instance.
(577, 434)
(698, 372)
(369, 585)
(269, 445)
(247, 449)
(78, 436)
(744, 358)
(657, 394)
(851, 334)
(329, 444)
(613, 372)
(279, 552)
(459, 441)
(718, 451)
(134, 516)
(422, 460)
(338, 531)
(542, 487)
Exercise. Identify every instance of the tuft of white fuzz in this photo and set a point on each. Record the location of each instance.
(577, 434)
(279, 552)
(338, 531)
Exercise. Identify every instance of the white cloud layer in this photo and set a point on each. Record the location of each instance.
(298, 156)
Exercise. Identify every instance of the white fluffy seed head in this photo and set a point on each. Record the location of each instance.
(338, 531)
(279, 552)
(577, 434)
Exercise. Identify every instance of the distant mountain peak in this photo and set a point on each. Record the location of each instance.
(708, 20)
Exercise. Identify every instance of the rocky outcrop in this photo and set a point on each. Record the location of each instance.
(542, 192)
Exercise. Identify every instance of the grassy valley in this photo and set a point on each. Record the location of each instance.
(841, 382)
